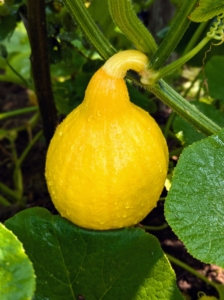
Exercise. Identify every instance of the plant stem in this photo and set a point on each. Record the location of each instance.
(161, 227)
(4, 201)
(161, 89)
(81, 15)
(28, 148)
(40, 65)
(125, 18)
(169, 124)
(194, 39)
(187, 111)
(192, 271)
(191, 85)
(25, 83)
(30, 124)
(17, 112)
(178, 27)
(179, 62)
(17, 175)
(8, 192)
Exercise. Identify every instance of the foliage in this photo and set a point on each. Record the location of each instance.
(17, 273)
(70, 261)
(74, 263)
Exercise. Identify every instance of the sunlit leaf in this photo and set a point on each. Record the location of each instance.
(71, 262)
(194, 206)
(17, 279)
(206, 10)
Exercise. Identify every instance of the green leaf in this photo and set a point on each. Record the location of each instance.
(8, 24)
(16, 272)
(187, 133)
(214, 72)
(18, 42)
(207, 9)
(21, 63)
(194, 206)
(71, 262)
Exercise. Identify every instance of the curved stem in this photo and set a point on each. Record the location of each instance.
(125, 18)
(25, 83)
(118, 65)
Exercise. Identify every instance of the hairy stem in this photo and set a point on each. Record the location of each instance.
(187, 111)
(81, 15)
(125, 18)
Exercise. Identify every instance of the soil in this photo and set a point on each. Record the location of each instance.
(14, 97)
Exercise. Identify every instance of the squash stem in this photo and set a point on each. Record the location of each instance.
(118, 65)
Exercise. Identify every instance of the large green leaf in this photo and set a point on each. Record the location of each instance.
(207, 9)
(17, 279)
(194, 206)
(214, 72)
(71, 262)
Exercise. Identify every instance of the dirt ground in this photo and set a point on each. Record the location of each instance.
(14, 97)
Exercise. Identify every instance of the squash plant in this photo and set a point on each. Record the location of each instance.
(71, 262)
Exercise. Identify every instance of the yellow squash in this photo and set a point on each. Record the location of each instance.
(107, 162)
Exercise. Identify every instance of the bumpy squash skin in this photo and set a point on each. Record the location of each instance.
(107, 162)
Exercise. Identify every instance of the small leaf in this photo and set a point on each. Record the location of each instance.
(8, 24)
(207, 9)
(194, 206)
(16, 272)
(71, 262)
(214, 73)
